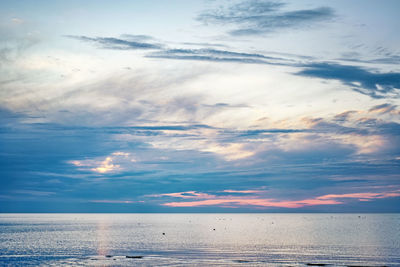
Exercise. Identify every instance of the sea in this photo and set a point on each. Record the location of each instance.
(200, 239)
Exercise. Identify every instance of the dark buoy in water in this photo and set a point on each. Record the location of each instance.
(163, 233)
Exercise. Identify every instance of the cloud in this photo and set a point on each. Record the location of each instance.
(257, 17)
(185, 195)
(205, 54)
(235, 201)
(367, 131)
(344, 116)
(203, 44)
(364, 81)
(189, 171)
(137, 37)
(199, 54)
(362, 196)
(242, 191)
(17, 21)
(383, 108)
(167, 127)
(261, 132)
(117, 43)
(113, 201)
(374, 84)
(104, 166)
(33, 193)
(232, 151)
(15, 43)
(119, 153)
(194, 155)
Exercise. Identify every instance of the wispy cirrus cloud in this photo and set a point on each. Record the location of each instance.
(216, 55)
(377, 85)
(118, 43)
(260, 17)
(127, 42)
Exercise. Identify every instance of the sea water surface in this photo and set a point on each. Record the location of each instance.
(199, 239)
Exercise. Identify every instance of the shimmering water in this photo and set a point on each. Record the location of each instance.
(199, 239)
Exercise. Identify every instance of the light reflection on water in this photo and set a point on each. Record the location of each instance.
(102, 235)
(190, 239)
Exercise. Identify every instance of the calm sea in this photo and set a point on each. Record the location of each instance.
(199, 239)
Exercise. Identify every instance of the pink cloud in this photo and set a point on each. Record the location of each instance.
(253, 202)
(362, 196)
(235, 201)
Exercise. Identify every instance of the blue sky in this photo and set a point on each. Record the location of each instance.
(199, 106)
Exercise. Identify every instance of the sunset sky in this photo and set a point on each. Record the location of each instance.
(200, 106)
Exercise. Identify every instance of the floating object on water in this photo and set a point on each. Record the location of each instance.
(242, 261)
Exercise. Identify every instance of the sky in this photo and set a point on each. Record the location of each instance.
(199, 106)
